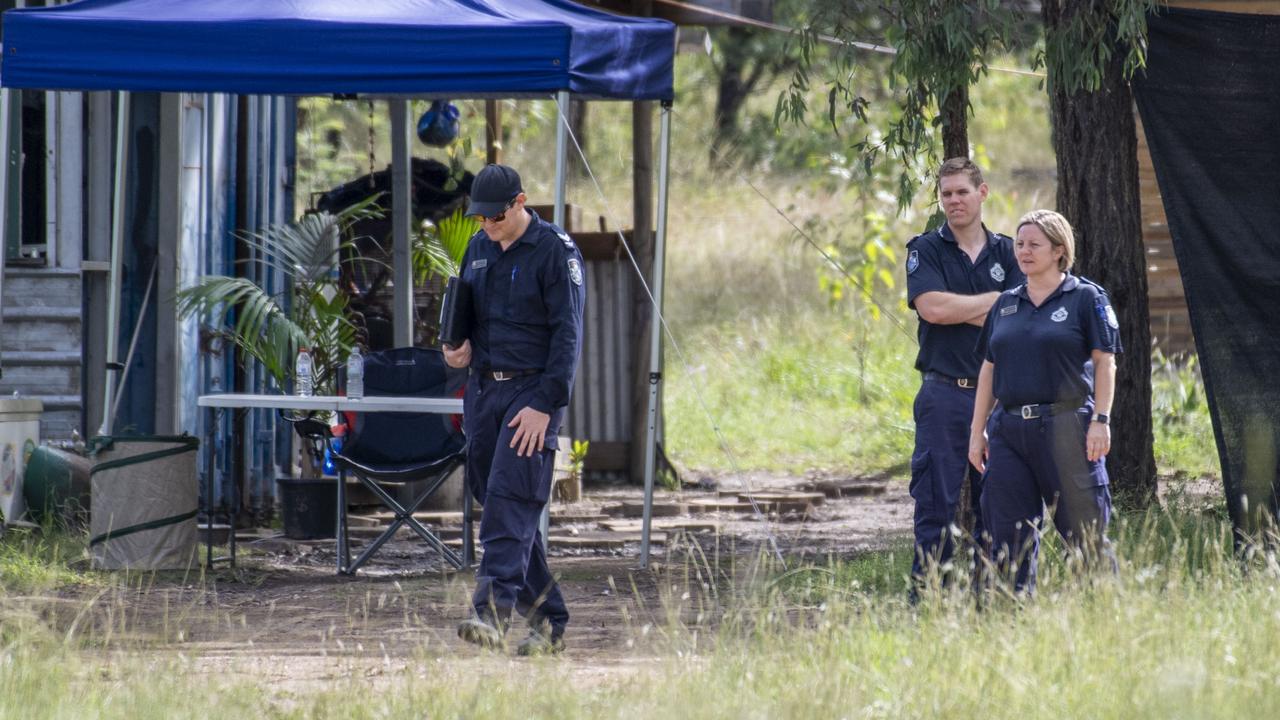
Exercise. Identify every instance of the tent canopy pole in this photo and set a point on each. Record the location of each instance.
(562, 155)
(402, 222)
(557, 217)
(117, 255)
(5, 101)
(655, 334)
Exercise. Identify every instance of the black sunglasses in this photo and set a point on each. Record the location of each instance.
(502, 215)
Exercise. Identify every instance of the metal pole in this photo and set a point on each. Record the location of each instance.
(562, 154)
(402, 222)
(5, 100)
(117, 253)
(562, 157)
(655, 333)
(52, 108)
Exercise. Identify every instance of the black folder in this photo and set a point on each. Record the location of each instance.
(456, 313)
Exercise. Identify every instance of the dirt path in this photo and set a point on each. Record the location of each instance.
(285, 617)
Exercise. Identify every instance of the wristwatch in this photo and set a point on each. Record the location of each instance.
(1102, 418)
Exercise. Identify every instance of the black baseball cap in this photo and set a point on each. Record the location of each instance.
(493, 189)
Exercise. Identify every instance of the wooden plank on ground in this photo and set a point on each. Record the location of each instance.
(603, 540)
(567, 518)
(660, 509)
(848, 487)
(600, 540)
(785, 501)
(687, 524)
(706, 505)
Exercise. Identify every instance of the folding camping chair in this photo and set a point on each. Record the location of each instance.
(386, 449)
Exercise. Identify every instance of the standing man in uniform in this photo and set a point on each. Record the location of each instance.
(954, 274)
(528, 291)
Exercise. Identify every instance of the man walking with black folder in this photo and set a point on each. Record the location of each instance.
(528, 289)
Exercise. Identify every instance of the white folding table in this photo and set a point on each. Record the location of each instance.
(215, 404)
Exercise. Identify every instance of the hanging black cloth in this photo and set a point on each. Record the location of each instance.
(1210, 104)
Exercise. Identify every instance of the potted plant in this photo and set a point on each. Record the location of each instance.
(311, 310)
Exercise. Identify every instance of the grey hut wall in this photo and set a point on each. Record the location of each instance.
(600, 410)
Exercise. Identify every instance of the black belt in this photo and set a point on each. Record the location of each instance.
(504, 375)
(1037, 410)
(958, 382)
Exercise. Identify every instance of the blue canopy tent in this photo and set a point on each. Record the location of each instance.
(390, 48)
(463, 48)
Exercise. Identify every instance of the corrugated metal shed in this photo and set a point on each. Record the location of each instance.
(600, 410)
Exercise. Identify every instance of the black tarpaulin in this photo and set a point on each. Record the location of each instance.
(1210, 104)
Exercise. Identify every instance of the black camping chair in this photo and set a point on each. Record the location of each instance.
(386, 449)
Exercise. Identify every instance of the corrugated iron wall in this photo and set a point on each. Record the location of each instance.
(600, 410)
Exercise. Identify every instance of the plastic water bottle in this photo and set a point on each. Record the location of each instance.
(355, 373)
(302, 373)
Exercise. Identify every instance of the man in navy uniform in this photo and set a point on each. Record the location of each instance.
(954, 274)
(528, 291)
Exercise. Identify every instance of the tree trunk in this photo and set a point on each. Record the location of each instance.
(955, 143)
(955, 123)
(1095, 140)
(492, 131)
(578, 124)
(732, 91)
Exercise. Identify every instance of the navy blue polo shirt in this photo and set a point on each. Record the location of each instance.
(528, 307)
(935, 262)
(1044, 354)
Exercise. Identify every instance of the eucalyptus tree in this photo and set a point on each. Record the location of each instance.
(1092, 49)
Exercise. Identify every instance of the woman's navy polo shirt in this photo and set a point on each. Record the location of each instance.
(1045, 354)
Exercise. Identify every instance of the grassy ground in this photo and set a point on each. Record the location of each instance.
(1183, 631)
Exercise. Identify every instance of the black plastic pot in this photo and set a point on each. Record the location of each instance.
(308, 507)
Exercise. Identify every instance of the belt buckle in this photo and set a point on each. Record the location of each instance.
(1030, 412)
(500, 376)
(964, 382)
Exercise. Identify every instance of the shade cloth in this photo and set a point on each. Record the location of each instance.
(1209, 100)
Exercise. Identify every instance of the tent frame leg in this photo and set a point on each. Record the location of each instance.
(402, 222)
(117, 258)
(655, 334)
(557, 217)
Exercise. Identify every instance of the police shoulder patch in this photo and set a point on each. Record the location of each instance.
(913, 261)
(1107, 313)
(575, 271)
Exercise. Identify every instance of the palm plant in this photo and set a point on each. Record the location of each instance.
(438, 248)
(311, 312)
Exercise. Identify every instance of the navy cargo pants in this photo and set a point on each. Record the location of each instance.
(1038, 462)
(513, 573)
(943, 411)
